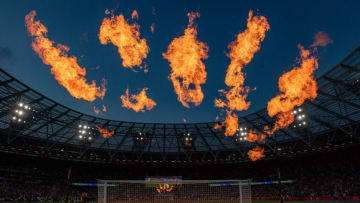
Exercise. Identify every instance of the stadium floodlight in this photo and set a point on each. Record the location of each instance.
(85, 133)
(21, 113)
(188, 139)
(300, 118)
(140, 139)
(241, 134)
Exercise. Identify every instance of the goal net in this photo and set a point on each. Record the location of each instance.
(221, 191)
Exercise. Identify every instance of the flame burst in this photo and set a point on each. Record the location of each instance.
(254, 136)
(134, 15)
(105, 132)
(296, 86)
(137, 102)
(321, 39)
(242, 50)
(152, 27)
(65, 68)
(96, 110)
(185, 55)
(126, 37)
(256, 153)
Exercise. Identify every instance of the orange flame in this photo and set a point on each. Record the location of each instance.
(105, 132)
(104, 109)
(256, 153)
(96, 111)
(126, 37)
(185, 55)
(134, 15)
(137, 102)
(152, 27)
(230, 123)
(242, 50)
(295, 86)
(254, 136)
(164, 188)
(65, 68)
(321, 39)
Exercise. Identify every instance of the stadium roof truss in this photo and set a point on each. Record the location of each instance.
(332, 120)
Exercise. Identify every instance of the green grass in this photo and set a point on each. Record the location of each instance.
(228, 201)
(222, 201)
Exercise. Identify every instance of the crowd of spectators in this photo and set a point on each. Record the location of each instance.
(24, 179)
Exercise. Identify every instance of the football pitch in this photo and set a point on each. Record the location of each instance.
(224, 201)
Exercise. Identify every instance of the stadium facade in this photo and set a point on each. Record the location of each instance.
(52, 130)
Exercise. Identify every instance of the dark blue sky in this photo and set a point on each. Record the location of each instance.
(291, 22)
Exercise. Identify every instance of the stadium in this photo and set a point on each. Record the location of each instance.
(51, 152)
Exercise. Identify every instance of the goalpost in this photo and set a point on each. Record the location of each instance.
(222, 191)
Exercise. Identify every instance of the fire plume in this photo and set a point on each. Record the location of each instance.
(185, 55)
(126, 37)
(321, 39)
(242, 50)
(152, 27)
(105, 132)
(296, 86)
(254, 136)
(134, 15)
(137, 102)
(230, 123)
(65, 68)
(256, 153)
(96, 110)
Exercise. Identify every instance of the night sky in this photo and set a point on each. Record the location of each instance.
(76, 24)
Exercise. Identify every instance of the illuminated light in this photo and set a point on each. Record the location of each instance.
(300, 110)
(241, 129)
(26, 106)
(185, 55)
(90, 138)
(83, 132)
(80, 136)
(20, 104)
(126, 37)
(304, 123)
(20, 112)
(19, 120)
(16, 111)
(14, 118)
(79, 126)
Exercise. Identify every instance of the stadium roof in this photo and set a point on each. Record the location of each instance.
(332, 118)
